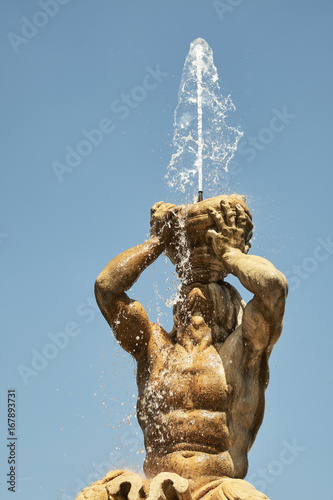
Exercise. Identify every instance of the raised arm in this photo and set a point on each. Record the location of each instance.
(127, 318)
(263, 315)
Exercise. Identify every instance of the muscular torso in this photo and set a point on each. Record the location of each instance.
(200, 406)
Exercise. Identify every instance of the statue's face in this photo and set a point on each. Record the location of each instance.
(193, 315)
(194, 303)
(215, 307)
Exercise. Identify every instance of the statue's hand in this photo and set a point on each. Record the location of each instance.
(160, 220)
(232, 224)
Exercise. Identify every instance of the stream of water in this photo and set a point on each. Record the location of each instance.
(203, 142)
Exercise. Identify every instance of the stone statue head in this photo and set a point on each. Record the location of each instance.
(219, 304)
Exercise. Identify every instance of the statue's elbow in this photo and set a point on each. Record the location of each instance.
(101, 288)
(105, 291)
(98, 284)
(278, 286)
(282, 286)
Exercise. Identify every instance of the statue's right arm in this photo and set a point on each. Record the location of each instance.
(127, 318)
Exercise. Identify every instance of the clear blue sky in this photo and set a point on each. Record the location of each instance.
(71, 74)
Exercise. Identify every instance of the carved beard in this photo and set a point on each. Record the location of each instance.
(219, 304)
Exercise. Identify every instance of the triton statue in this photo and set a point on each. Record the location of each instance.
(201, 387)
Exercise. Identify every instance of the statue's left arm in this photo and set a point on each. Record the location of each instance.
(263, 315)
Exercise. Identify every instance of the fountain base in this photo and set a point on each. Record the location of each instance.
(121, 485)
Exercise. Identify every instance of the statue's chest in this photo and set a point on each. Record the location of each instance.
(188, 379)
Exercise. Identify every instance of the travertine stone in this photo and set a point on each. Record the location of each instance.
(188, 226)
(121, 485)
(168, 485)
(128, 485)
(98, 489)
(201, 386)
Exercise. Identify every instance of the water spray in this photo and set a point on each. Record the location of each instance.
(201, 136)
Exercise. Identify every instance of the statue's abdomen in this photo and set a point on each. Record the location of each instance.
(183, 403)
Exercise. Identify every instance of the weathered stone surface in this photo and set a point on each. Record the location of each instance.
(127, 485)
(98, 489)
(168, 486)
(188, 226)
(121, 485)
(201, 386)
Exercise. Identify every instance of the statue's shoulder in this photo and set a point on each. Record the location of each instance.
(159, 338)
(238, 354)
